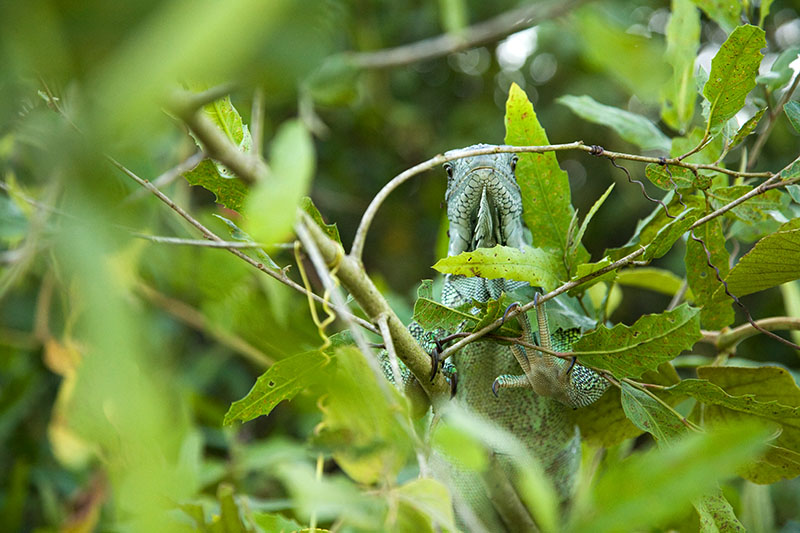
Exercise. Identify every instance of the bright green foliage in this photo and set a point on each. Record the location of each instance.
(281, 382)
(546, 206)
(238, 234)
(424, 506)
(703, 279)
(587, 268)
(628, 351)
(724, 12)
(453, 15)
(632, 127)
(229, 191)
(754, 210)
(683, 40)
(792, 110)
(307, 205)
(624, 500)
(668, 179)
(775, 259)
(577, 239)
(272, 205)
(733, 74)
(654, 279)
(747, 128)
(669, 234)
(537, 266)
(431, 315)
(365, 424)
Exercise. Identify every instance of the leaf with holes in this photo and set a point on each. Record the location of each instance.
(281, 382)
(733, 74)
(668, 179)
(537, 266)
(547, 209)
(628, 351)
(228, 191)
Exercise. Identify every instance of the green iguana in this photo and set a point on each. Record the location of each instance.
(484, 208)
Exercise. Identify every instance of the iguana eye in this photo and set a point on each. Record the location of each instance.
(448, 167)
(514, 162)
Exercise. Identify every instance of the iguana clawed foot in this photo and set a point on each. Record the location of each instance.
(447, 368)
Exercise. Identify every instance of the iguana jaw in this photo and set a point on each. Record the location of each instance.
(483, 203)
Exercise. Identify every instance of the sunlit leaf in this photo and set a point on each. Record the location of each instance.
(683, 40)
(547, 210)
(733, 73)
(229, 191)
(703, 279)
(650, 278)
(588, 268)
(755, 209)
(281, 382)
(668, 179)
(632, 127)
(723, 12)
(536, 266)
(628, 351)
(307, 205)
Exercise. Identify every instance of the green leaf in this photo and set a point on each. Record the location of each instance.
(536, 266)
(703, 279)
(755, 209)
(628, 351)
(775, 259)
(663, 178)
(239, 235)
(763, 11)
(429, 500)
(716, 513)
(632, 127)
(229, 191)
(281, 382)
(625, 500)
(275, 523)
(670, 234)
(587, 268)
(747, 128)
(650, 278)
(453, 15)
(271, 207)
(792, 110)
(307, 205)
(651, 416)
(606, 423)
(432, 315)
(547, 209)
(572, 254)
(363, 422)
(726, 13)
(781, 71)
(683, 40)
(733, 73)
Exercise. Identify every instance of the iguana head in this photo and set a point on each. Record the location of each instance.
(484, 205)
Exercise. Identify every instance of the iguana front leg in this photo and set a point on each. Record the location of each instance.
(550, 376)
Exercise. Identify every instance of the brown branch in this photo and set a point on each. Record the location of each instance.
(477, 34)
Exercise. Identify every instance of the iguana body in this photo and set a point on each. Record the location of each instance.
(484, 208)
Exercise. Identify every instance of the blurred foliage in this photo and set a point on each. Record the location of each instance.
(120, 356)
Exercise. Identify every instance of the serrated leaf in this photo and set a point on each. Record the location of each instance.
(307, 205)
(537, 266)
(650, 278)
(651, 416)
(228, 191)
(733, 74)
(547, 209)
(281, 382)
(775, 259)
(755, 209)
(747, 128)
(792, 110)
(703, 279)
(670, 234)
(668, 179)
(587, 268)
(632, 127)
(724, 12)
(578, 237)
(624, 500)
(272, 205)
(628, 351)
(362, 421)
(683, 40)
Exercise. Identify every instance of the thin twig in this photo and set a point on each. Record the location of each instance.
(477, 34)
(167, 177)
(723, 340)
(773, 119)
(197, 242)
(210, 235)
(257, 121)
